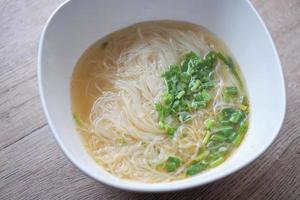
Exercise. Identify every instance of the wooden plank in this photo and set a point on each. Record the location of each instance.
(21, 112)
(33, 166)
(21, 23)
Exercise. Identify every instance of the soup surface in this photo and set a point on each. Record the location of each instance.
(159, 101)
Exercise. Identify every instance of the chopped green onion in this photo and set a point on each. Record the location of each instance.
(226, 113)
(208, 85)
(198, 104)
(176, 106)
(243, 107)
(77, 120)
(172, 163)
(170, 131)
(195, 85)
(214, 155)
(243, 127)
(212, 144)
(225, 123)
(245, 103)
(245, 100)
(161, 125)
(181, 86)
(237, 140)
(216, 162)
(231, 90)
(184, 116)
(167, 99)
(206, 137)
(201, 149)
(170, 166)
(232, 136)
(236, 117)
(192, 60)
(185, 77)
(241, 132)
(205, 96)
(224, 129)
(196, 168)
(201, 156)
(174, 159)
(210, 123)
(218, 138)
(201, 100)
(223, 150)
(211, 57)
(180, 94)
(161, 111)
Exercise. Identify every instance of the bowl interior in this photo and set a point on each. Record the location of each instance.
(77, 24)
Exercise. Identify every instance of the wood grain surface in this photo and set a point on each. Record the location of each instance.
(32, 166)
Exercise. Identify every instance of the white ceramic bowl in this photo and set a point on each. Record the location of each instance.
(77, 24)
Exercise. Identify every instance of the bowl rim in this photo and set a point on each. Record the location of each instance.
(145, 188)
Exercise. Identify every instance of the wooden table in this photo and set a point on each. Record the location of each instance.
(32, 166)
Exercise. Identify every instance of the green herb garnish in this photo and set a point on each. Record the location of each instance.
(231, 90)
(187, 90)
(190, 87)
(77, 120)
(196, 168)
(172, 163)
